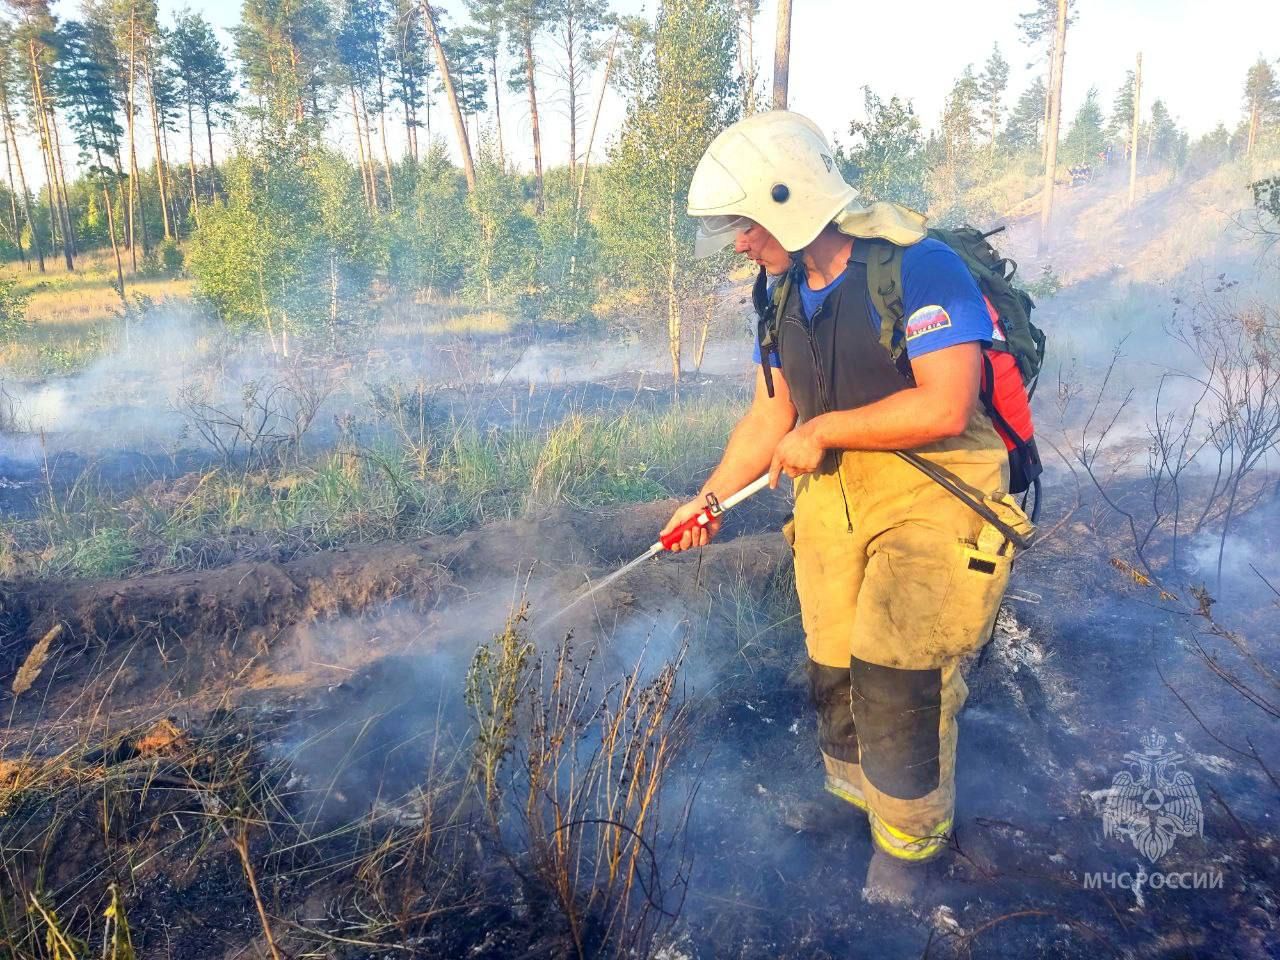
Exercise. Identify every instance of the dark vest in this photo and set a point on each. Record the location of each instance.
(836, 361)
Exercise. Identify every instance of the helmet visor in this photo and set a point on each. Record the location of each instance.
(714, 233)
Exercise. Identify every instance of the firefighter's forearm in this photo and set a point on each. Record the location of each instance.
(907, 419)
(747, 454)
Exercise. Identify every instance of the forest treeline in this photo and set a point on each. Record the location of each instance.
(290, 233)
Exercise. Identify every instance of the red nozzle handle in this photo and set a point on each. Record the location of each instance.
(699, 519)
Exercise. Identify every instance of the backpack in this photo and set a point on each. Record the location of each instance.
(1010, 366)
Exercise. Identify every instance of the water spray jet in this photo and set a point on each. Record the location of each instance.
(714, 508)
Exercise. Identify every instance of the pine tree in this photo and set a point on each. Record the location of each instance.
(525, 19)
(409, 68)
(431, 20)
(33, 38)
(9, 72)
(1121, 117)
(959, 117)
(286, 50)
(469, 55)
(1166, 143)
(489, 20)
(83, 80)
(1261, 101)
(1086, 138)
(356, 45)
(573, 25)
(992, 84)
(203, 82)
(748, 68)
(1038, 27)
(1053, 121)
(1022, 131)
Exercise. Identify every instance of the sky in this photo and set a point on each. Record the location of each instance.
(1195, 54)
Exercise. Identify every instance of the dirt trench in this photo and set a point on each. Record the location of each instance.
(177, 634)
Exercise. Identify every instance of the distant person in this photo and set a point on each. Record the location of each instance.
(898, 579)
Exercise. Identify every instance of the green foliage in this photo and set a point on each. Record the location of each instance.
(992, 85)
(288, 251)
(683, 93)
(287, 50)
(1086, 138)
(1023, 131)
(502, 249)
(887, 159)
(13, 311)
(1210, 150)
(568, 265)
(1166, 144)
(1045, 285)
(957, 164)
(1120, 122)
(430, 237)
(1261, 96)
(104, 553)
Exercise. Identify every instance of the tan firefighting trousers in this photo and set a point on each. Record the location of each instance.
(899, 581)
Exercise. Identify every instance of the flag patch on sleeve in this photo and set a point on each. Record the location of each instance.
(927, 320)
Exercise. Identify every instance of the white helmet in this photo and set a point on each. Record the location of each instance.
(774, 168)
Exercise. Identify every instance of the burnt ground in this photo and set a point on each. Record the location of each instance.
(91, 460)
(327, 689)
(332, 686)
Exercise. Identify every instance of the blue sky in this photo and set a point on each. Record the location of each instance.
(1195, 54)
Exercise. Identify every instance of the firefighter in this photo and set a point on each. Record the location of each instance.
(899, 580)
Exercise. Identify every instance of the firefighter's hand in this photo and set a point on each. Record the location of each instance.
(796, 454)
(698, 536)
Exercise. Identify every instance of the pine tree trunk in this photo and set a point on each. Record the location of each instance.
(111, 215)
(497, 111)
(1133, 138)
(13, 203)
(136, 178)
(51, 192)
(68, 230)
(533, 122)
(161, 185)
(373, 171)
(22, 177)
(130, 121)
(364, 171)
(782, 56)
(1051, 134)
(382, 134)
(191, 162)
(446, 80)
(571, 58)
(208, 129)
(57, 210)
(586, 158)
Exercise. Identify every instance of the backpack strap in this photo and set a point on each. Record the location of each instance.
(768, 309)
(884, 283)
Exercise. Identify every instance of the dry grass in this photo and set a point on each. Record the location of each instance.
(29, 672)
(72, 313)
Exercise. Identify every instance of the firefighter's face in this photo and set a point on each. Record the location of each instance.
(759, 246)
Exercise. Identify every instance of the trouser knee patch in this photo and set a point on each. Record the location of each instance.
(898, 713)
(829, 689)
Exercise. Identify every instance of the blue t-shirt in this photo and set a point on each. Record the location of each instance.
(941, 302)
